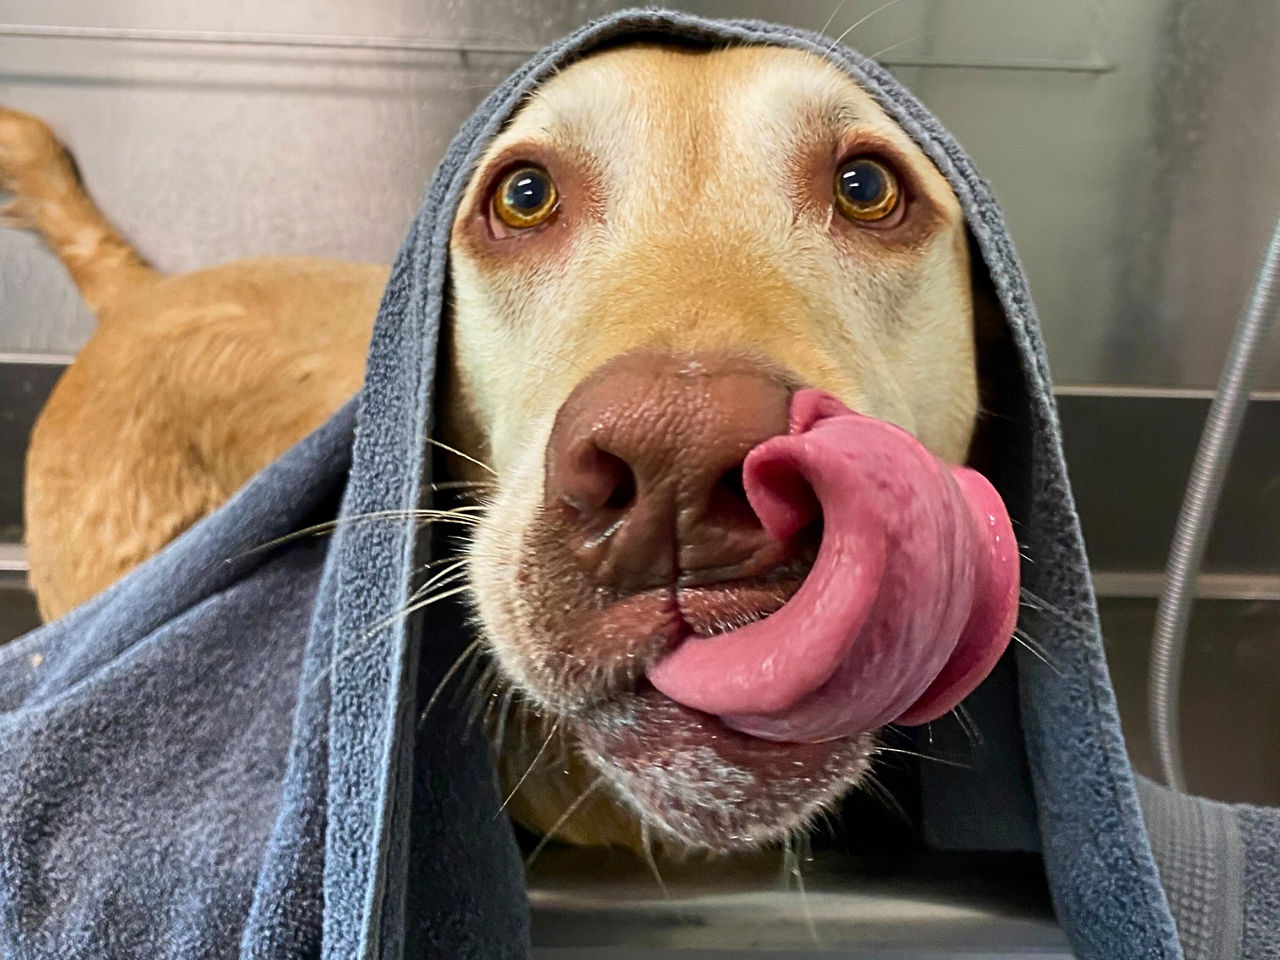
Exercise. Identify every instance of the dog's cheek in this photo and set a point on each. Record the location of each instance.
(494, 560)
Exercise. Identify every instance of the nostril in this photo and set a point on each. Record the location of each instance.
(731, 482)
(624, 489)
(595, 480)
(727, 503)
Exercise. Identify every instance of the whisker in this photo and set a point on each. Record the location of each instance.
(1034, 648)
(457, 452)
(449, 561)
(502, 721)
(857, 23)
(414, 608)
(440, 578)
(491, 698)
(564, 818)
(463, 485)
(435, 564)
(480, 694)
(555, 728)
(890, 728)
(894, 46)
(924, 756)
(362, 644)
(829, 824)
(359, 519)
(448, 675)
(1044, 606)
(886, 798)
(968, 725)
(646, 845)
(834, 13)
(465, 681)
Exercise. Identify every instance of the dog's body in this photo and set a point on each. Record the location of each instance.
(613, 353)
(188, 386)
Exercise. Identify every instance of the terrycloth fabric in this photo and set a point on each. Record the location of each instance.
(219, 757)
(1220, 865)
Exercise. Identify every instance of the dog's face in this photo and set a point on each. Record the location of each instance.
(654, 254)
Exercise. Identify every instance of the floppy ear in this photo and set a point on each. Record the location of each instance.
(995, 357)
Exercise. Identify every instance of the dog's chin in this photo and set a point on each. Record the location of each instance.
(579, 655)
(698, 785)
(690, 780)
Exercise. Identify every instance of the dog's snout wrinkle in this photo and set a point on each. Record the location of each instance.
(644, 468)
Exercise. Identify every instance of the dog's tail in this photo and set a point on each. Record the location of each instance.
(49, 198)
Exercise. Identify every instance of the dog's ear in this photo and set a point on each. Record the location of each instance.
(995, 353)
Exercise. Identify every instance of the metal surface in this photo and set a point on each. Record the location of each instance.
(1129, 457)
(1130, 453)
(1116, 133)
(462, 47)
(1230, 698)
(1195, 520)
(23, 390)
(850, 907)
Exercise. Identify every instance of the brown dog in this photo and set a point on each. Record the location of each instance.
(694, 234)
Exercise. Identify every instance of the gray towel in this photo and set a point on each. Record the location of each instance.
(219, 756)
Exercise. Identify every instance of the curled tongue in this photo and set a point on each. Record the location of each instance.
(910, 602)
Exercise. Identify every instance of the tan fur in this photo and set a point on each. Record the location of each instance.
(696, 215)
(697, 237)
(189, 385)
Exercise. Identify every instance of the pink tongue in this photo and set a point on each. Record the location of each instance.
(912, 598)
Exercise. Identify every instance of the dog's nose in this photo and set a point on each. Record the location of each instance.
(644, 467)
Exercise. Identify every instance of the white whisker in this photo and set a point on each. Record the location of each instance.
(1034, 648)
(924, 756)
(448, 675)
(414, 608)
(646, 845)
(857, 23)
(443, 577)
(894, 46)
(564, 818)
(464, 456)
(834, 13)
(968, 725)
(502, 721)
(555, 728)
(456, 515)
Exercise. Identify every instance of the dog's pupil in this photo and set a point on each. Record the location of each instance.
(528, 191)
(862, 182)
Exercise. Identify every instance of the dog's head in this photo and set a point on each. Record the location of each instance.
(657, 251)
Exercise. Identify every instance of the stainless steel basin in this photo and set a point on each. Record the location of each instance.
(589, 903)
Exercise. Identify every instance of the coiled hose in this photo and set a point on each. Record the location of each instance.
(1195, 520)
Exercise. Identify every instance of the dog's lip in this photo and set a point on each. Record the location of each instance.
(710, 608)
(644, 724)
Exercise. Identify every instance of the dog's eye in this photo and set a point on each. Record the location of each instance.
(866, 190)
(525, 198)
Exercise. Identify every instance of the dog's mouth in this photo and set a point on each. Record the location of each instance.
(692, 779)
(728, 709)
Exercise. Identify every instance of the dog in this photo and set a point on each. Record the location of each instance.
(661, 246)
(189, 385)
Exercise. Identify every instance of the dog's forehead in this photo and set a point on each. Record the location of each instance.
(621, 104)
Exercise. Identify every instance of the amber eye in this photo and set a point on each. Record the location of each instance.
(525, 198)
(866, 190)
